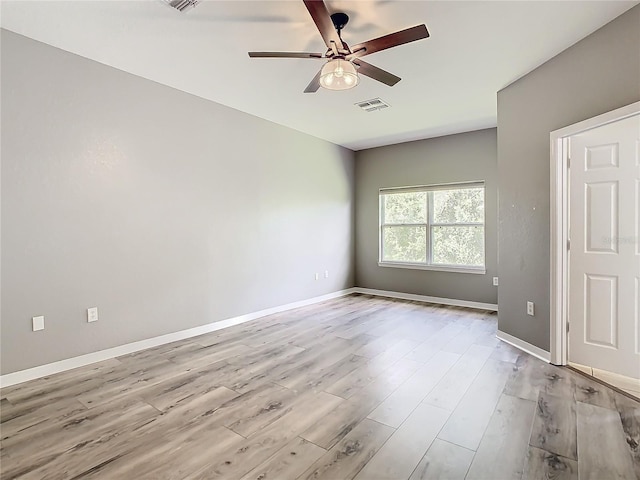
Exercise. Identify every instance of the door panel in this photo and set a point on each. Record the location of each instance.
(604, 259)
(601, 217)
(601, 315)
(602, 156)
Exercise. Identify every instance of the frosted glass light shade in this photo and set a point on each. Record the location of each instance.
(338, 74)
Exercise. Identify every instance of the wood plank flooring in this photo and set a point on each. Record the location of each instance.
(628, 385)
(354, 388)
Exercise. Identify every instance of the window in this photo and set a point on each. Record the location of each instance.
(439, 227)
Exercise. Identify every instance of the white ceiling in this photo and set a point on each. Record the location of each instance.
(449, 81)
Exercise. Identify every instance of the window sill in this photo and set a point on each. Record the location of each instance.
(435, 268)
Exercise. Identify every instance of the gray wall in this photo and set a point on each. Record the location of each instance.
(162, 209)
(454, 158)
(596, 75)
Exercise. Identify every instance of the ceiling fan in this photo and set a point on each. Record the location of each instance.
(344, 63)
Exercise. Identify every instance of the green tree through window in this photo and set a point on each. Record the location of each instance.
(438, 226)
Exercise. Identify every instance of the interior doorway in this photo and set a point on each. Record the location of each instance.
(595, 264)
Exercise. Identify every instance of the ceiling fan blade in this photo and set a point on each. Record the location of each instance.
(314, 85)
(285, 55)
(322, 19)
(388, 41)
(376, 73)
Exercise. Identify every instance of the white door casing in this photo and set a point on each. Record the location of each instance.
(559, 202)
(604, 255)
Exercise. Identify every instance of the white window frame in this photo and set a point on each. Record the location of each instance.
(429, 225)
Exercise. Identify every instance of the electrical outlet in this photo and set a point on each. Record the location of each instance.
(530, 308)
(92, 314)
(38, 323)
(326, 274)
(317, 276)
(495, 281)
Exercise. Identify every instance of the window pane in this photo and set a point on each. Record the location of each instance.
(404, 244)
(458, 246)
(405, 207)
(458, 205)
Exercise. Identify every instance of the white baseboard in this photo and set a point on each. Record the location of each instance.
(524, 346)
(89, 358)
(424, 298)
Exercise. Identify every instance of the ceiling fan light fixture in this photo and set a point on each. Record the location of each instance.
(338, 74)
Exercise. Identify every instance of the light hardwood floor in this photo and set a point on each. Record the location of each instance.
(358, 387)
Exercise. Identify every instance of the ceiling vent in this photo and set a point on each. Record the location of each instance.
(372, 105)
(182, 5)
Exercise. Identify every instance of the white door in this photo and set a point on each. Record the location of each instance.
(604, 255)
